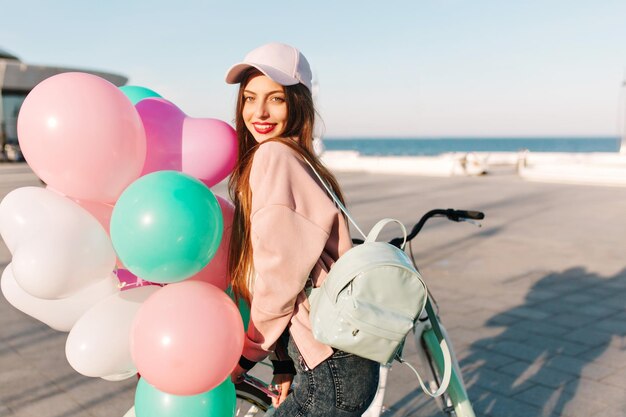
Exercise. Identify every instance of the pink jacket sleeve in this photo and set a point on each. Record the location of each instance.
(289, 232)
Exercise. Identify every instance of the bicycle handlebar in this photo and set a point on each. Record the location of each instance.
(467, 214)
(451, 214)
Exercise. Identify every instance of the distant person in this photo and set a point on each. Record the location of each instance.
(287, 233)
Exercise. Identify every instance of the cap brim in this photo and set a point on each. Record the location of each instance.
(235, 73)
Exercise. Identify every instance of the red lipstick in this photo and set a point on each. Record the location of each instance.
(264, 128)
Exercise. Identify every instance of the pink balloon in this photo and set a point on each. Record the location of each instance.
(203, 148)
(163, 123)
(82, 136)
(101, 211)
(187, 338)
(216, 272)
(209, 149)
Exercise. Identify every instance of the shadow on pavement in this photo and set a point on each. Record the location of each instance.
(545, 362)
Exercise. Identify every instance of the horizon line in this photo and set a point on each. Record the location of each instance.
(469, 137)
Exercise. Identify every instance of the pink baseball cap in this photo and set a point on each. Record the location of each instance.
(282, 63)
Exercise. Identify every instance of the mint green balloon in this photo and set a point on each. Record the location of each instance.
(136, 93)
(166, 226)
(219, 402)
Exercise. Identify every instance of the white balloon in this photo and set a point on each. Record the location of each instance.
(59, 314)
(99, 343)
(19, 220)
(130, 413)
(58, 247)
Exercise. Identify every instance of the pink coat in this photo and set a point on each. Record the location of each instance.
(297, 232)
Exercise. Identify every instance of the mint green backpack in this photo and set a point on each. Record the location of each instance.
(369, 301)
(371, 297)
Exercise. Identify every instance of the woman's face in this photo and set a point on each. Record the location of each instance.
(264, 108)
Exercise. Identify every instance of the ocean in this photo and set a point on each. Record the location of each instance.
(435, 146)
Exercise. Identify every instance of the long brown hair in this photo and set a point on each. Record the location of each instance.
(300, 120)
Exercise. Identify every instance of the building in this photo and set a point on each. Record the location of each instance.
(16, 81)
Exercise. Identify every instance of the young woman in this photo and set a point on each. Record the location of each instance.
(287, 233)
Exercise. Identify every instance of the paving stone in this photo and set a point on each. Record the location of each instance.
(495, 361)
(498, 382)
(496, 405)
(579, 299)
(492, 303)
(480, 318)
(517, 350)
(528, 313)
(613, 410)
(609, 356)
(588, 336)
(617, 378)
(617, 284)
(503, 320)
(117, 395)
(616, 301)
(579, 367)
(612, 326)
(542, 295)
(559, 402)
(598, 310)
(541, 327)
(621, 315)
(537, 372)
(553, 346)
(571, 319)
(553, 307)
(470, 336)
(589, 390)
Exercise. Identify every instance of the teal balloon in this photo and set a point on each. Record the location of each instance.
(166, 226)
(244, 308)
(219, 402)
(136, 93)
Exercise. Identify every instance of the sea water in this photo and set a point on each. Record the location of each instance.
(436, 146)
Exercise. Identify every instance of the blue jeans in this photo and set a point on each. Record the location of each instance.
(344, 385)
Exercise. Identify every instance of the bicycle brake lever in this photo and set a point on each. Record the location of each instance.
(474, 222)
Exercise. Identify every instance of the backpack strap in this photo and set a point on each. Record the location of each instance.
(378, 227)
(447, 358)
(335, 199)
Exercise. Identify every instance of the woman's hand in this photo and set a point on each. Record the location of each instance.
(281, 383)
(237, 374)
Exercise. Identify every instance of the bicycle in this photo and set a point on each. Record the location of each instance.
(253, 395)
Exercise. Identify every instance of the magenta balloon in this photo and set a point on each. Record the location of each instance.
(163, 123)
(187, 338)
(209, 149)
(82, 136)
(203, 148)
(128, 280)
(216, 272)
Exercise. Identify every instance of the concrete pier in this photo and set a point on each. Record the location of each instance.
(534, 300)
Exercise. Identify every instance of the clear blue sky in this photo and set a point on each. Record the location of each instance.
(397, 68)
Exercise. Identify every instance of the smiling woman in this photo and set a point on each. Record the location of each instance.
(286, 235)
(264, 107)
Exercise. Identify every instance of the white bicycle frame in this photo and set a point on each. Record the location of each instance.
(456, 390)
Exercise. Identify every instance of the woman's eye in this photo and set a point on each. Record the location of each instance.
(277, 99)
(248, 98)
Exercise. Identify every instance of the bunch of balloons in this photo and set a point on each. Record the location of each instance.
(126, 247)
